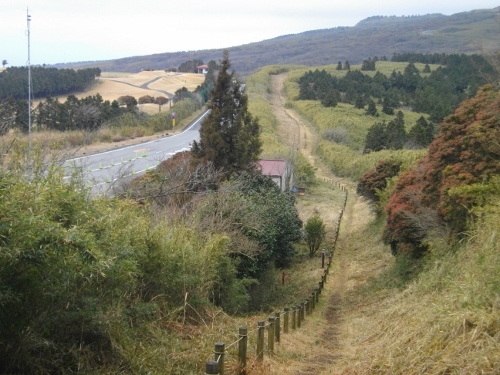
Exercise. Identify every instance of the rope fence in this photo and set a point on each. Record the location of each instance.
(292, 317)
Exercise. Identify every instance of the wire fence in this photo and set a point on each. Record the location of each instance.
(292, 318)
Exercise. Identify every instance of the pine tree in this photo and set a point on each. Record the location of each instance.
(339, 65)
(376, 139)
(396, 133)
(387, 107)
(330, 99)
(422, 133)
(372, 108)
(229, 135)
(359, 102)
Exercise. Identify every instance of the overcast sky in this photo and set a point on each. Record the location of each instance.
(84, 30)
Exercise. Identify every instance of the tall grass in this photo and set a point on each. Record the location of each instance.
(345, 162)
(445, 321)
(258, 90)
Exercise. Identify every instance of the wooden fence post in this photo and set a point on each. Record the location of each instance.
(302, 312)
(318, 291)
(294, 315)
(277, 325)
(211, 368)
(299, 315)
(286, 320)
(270, 334)
(242, 350)
(219, 356)
(260, 339)
(313, 300)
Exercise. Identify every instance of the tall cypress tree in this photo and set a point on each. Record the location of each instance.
(229, 135)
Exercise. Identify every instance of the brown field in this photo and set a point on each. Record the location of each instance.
(112, 85)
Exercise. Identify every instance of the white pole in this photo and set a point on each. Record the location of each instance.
(29, 77)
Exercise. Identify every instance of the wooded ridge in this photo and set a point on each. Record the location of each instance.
(468, 32)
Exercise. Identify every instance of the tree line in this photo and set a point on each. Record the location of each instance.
(46, 81)
(437, 94)
(392, 135)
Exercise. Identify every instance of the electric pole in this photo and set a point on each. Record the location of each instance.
(29, 78)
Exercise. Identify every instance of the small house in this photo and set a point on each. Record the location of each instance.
(202, 69)
(279, 170)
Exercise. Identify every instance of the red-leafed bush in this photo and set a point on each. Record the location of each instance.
(376, 180)
(465, 151)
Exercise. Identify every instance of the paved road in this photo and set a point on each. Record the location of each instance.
(145, 86)
(104, 172)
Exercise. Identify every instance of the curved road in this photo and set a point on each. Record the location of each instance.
(145, 86)
(103, 172)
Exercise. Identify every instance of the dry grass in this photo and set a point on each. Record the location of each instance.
(112, 85)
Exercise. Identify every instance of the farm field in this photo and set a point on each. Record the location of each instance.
(112, 85)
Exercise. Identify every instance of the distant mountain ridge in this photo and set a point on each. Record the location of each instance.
(476, 31)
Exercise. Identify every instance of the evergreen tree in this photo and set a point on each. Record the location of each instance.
(359, 102)
(368, 64)
(376, 139)
(331, 98)
(396, 133)
(387, 107)
(339, 65)
(229, 135)
(422, 133)
(372, 108)
(347, 66)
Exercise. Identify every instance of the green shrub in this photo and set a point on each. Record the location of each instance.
(315, 233)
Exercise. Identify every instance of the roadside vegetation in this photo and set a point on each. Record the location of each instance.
(98, 285)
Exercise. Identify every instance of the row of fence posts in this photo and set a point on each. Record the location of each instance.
(293, 317)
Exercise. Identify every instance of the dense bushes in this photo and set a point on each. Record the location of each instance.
(260, 222)
(465, 152)
(76, 274)
(375, 180)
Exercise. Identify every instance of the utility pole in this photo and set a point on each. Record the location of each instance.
(29, 78)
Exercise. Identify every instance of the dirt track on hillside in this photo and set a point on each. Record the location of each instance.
(296, 132)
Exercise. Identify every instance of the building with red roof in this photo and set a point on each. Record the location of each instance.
(279, 170)
(202, 69)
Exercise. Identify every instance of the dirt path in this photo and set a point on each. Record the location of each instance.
(294, 130)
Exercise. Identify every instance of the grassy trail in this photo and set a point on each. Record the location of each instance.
(323, 346)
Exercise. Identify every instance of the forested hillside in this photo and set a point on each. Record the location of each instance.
(435, 92)
(468, 32)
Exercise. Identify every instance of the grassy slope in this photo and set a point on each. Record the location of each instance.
(346, 160)
(447, 320)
